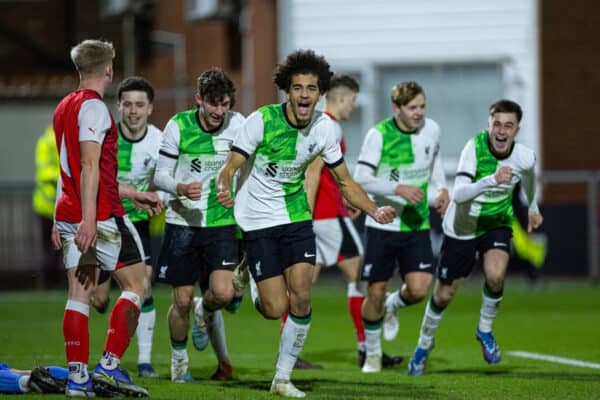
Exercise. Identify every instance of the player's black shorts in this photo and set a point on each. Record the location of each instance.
(188, 251)
(272, 250)
(457, 257)
(143, 230)
(410, 251)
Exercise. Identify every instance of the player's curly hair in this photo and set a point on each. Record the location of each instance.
(135, 83)
(302, 62)
(507, 106)
(214, 85)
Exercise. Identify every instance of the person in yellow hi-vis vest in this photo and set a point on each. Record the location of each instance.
(44, 197)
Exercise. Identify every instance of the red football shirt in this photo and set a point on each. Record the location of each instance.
(83, 116)
(329, 202)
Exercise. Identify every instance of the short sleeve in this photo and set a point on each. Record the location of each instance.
(170, 142)
(370, 152)
(94, 121)
(332, 153)
(467, 164)
(249, 135)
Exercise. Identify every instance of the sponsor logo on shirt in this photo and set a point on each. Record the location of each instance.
(271, 169)
(196, 165)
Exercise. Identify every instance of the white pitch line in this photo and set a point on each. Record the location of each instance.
(555, 359)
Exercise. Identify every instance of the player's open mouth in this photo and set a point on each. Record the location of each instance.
(304, 109)
(500, 143)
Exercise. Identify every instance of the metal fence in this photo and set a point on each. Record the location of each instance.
(21, 246)
(20, 241)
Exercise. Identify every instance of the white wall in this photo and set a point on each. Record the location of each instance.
(363, 36)
(22, 123)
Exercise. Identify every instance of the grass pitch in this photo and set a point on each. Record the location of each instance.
(558, 319)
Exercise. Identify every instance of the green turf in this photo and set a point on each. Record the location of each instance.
(557, 319)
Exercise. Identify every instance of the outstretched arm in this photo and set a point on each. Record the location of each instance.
(358, 197)
(149, 201)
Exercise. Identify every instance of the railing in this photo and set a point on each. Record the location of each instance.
(20, 241)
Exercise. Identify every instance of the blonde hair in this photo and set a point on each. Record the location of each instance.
(403, 93)
(91, 54)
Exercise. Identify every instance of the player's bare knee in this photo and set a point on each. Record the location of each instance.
(99, 303)
(223, 295)
(416, 293)
(443, 295)
(273, 310)
(183, 303)
(183, 307)
(376, 293)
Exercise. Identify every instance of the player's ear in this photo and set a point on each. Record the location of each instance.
(150, 109)
(198, 99)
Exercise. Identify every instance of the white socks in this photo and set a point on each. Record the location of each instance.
(489, 310)
(144, 332)
(291, 343)
(216, 333)
(431, 321)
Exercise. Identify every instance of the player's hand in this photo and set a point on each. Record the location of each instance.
(353, 212)
(55, 238)
(410, 193)
(441, 202)
(385, 214)
(149, 201)
(224, 197)
(535, 221)
(190, 190)
(86, 275)
(85, 236)
(503, 175)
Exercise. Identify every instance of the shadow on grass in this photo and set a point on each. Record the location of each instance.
(519, 373)
(342, 356)
(336, 389)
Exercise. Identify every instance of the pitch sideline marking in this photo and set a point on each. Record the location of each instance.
(555, 359)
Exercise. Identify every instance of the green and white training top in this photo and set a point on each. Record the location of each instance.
(274, 192)
(137, 162)
(390, 157)
(190, 154)
(478, 203)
